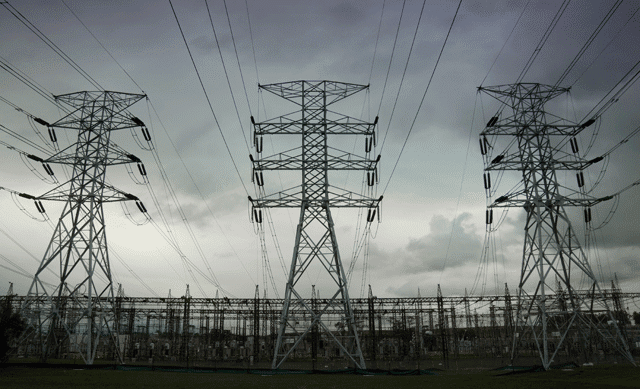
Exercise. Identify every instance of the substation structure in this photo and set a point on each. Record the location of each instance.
(244, 332)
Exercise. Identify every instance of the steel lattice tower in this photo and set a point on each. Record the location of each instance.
(553, 260)
(315, 235)
(77, 252)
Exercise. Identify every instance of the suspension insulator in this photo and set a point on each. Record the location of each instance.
(39, 206)
(142, 169)
(580, 177)
(484, 145)
(259, 178)
(371, 215)
(588, 123)
(498, 159)
(40, 121)
(52, 135)
(371, 178)
(368, 142)
(587, 215)
(492, 122)
(257, 215)
(137, 121)
(141, 207)
(574, 145)
(489, 216)
(487, 180)
(146, 134)
(258, 143)
(47, 169)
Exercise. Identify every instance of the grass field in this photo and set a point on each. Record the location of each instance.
(21, 377)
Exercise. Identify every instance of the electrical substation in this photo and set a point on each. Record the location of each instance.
(558, 310)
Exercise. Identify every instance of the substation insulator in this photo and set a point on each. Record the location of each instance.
(40, 121)
(487, 180)
(580, 177)
(257, 215)
(484, 145)
(574, 145)
(146, 134)
(371, 215)
(489, 216)
(47, 168)
(141, 207)
(142, 169)
(39, 206)
(588, 123)
(498, 159)
(368, 144)
(371, 178)
(52, 135)
(259, 178)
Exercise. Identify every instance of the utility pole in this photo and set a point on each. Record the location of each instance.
(77, 252)
(315, 236)
(540, 145)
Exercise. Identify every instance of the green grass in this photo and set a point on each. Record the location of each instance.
(617, 376)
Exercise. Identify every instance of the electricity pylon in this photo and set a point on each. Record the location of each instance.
(553, 260)
(77, 252)
(315, 235)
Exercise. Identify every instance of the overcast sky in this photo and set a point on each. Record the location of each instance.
(432, 227)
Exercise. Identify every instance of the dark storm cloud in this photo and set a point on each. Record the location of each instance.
(429, 253)
(336, 40)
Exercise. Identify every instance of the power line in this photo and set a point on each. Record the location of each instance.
(50, 43)
(253, 49)
(235, 49)
(224, 67)
(423, 98)
(101, 45)
(215, 219)
(404, 72)
(543, 40)
(589, 41)
(208, 100)
(606, 46)
(395, 41)
(375, 49)
(505, 42)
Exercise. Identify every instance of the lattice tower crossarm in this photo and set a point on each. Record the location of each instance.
(315, 236)
(551, 249)
(77, 252)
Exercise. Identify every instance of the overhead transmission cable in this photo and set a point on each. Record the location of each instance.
(444, 44)
(101, 45)
(543, 40)
(235, 49)
(375, 48)
(393, 49)
(253, 49)
(404, 72)
(4, 64)
(208, 100)
(224, 67)
(505, 42)
(606, 46)
(589, 41)
(601, 109)
(50, 43)
(193, 181)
